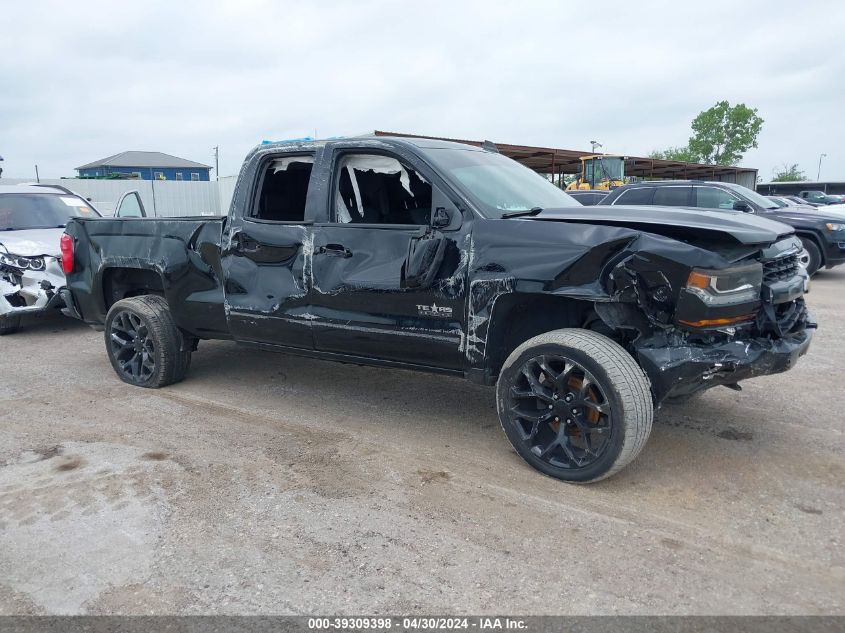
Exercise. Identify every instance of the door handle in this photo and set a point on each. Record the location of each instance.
(235, 241)
(335, 250)
(241, 243)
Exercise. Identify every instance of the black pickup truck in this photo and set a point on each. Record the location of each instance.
(437, 256)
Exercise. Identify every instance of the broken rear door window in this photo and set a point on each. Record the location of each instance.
(284, 189)
(378, 189)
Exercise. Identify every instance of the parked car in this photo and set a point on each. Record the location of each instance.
(799, 200)
(442, 257)
(32, 220)
(822, 233)
(588, 198)
(820, 197)
(784, 202)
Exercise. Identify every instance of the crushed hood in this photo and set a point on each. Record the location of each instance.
(675, 221)
(32, 242)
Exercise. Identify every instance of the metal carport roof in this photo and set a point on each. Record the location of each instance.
(551, 160)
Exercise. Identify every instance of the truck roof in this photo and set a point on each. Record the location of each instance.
(421, 143)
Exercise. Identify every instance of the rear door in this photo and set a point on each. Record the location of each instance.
(266, 253)
(386, 284)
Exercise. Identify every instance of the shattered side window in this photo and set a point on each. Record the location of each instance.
(377, 189)
(284, 189)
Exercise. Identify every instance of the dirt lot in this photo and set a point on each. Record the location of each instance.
(273, 484)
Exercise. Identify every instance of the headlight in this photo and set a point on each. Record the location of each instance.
(726, 287)
(835, 226)
(24, 263)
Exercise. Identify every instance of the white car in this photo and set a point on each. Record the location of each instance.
(32, 220)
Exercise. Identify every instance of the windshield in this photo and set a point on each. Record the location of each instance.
(497, 184)
(40, 210)
(752, 196)
(606, 169)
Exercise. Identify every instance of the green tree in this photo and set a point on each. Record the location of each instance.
(789, 173)
(684, 154)
(722, 134)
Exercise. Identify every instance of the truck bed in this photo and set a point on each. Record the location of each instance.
(183, 254)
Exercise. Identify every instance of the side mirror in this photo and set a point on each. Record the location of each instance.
(424, 258)
(742, 205)
(445, 215)
(440, 219)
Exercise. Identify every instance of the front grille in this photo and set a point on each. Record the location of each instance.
(789, 314)
(779, 269)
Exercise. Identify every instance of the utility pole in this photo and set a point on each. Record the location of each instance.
(37, 179)
(819, 174)
(216, 149)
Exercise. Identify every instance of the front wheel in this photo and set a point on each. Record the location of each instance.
(145, 347)
(574, 405)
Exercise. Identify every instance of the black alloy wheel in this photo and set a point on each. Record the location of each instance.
(145, 346)
(574, 404)
(560, 411)
(132, 347)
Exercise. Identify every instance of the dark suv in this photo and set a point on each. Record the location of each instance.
(820, 197)
(822, 230)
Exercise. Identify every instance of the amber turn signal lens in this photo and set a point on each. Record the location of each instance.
(699, 280)
(719, 322)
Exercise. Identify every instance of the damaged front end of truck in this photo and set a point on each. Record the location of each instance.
(718, 326)
(698, 305)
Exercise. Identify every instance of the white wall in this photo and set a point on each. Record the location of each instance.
(165, 197)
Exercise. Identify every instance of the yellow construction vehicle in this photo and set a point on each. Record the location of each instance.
(599, 171)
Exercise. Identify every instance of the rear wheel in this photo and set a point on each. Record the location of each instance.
(810, 258)
(143, 343)
(9, 324)
(574, 405)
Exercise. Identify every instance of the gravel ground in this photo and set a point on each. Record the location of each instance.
(266, 483)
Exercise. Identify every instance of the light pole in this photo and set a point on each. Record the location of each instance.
(216, 149)
(819, 174)
(595, 144)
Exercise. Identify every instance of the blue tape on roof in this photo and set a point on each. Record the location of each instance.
(289, 140)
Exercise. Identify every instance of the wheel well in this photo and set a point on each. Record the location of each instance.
(816, 241)
(120, 283)
(519, 317)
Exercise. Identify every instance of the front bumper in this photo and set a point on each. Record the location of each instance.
(681, 370)
(28, 291)
(834, 254)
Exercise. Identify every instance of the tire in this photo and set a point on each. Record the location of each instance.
(811, 258)
(10, 324)
(575, 371)
(143, 343)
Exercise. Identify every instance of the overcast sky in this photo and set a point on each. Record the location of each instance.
(82, 81)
